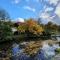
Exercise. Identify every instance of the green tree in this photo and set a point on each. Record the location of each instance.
(4, 15)
(5, 29)
(58, 28)
(51, 28)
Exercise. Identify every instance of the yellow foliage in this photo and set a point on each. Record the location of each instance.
(22, 28)
(32, 26)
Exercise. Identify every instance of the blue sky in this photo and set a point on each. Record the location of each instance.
(47, 10)
(22, 8)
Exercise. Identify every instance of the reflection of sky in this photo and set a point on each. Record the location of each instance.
(49, 50)
(15, 49)
(44, 54)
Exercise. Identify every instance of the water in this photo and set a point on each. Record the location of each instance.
(46, 53)
(58, 38)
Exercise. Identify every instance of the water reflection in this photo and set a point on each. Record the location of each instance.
(48, 50)
(58, 38)
(46, 53)
(15, 49)
(17, 53)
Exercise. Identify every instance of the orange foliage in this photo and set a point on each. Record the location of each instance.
(34, 27)
(31, 26)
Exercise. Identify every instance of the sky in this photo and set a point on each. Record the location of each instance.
(47, 10)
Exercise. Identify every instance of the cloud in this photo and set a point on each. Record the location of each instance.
(46, 18)
(16, 1)
(57, 11)
(48, 9)
(56, 19)
(51, 11)
(53, 2)
(18, 20)
(44, 15)
(29, 8)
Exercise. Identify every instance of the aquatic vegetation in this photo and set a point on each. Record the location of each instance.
(57, 50)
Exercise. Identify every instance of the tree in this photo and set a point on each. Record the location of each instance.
(50, 27)
(5, 29)
(4, 15)
(34, 27)
(30, 26)
(59, 28)
(22, 28)
(39, 21)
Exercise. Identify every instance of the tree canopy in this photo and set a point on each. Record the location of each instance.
(5, 29)
(4, 14)
(31, 26)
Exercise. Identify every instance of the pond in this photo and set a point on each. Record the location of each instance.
(46, 52)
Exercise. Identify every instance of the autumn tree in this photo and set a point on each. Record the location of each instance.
(22, 27)
(31, 26)
(34, 27)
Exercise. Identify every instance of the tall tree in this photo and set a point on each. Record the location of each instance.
(5, 29)
(4, 14)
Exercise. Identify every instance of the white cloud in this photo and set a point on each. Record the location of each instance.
(48, 9)
(44, 15)
(53, 2)
(29, 8)
(16, 1)
(57, 11)
(19, 20)
(51, 11)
